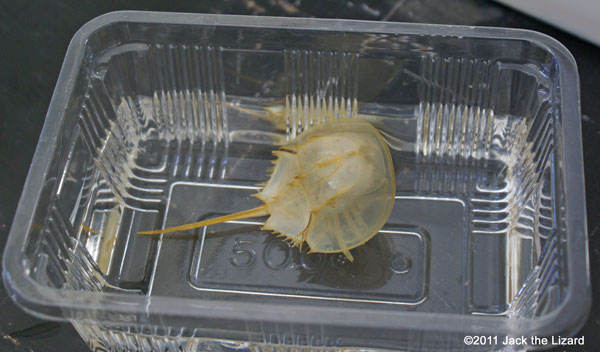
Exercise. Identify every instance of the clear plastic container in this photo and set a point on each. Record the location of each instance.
(160, 119)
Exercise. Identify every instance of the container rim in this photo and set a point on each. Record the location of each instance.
(56, 304)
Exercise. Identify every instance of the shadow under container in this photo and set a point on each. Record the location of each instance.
(160, 119)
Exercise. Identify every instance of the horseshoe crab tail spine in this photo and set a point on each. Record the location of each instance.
(251, 213)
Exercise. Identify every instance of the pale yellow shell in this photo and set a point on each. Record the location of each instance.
(332, 187)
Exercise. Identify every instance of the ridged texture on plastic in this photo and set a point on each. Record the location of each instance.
(186, 115)
(68, 263)
(457, 108)
(319, 86)
(151, 339)
(459, 138)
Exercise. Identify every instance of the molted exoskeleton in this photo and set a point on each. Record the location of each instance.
(331, 187)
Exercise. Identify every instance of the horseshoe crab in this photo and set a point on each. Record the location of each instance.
(332, 187)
